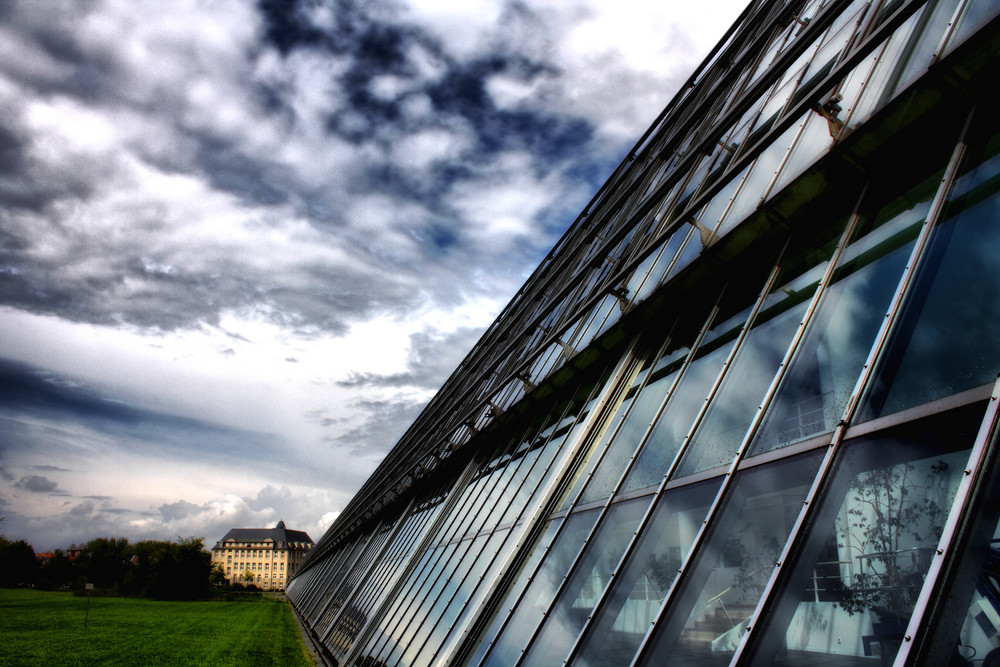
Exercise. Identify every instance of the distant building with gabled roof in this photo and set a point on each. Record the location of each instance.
(270, 555)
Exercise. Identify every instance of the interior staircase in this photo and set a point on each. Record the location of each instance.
(715, 622)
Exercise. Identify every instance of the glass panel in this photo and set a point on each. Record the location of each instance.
(814, 392)
(716, 209)
(457, 589)
(579, 338)
(721, 586)
(947, 339)
(349, 583)
(695, 177)
(852, 591)
(975, 638)
(975, 12)
(640, 588)
(775, 48)
(932, 32)
(691, 249)
(528, 485)
(748, 377)
(591, 575)
(676, 419)
(760, 177)
(772, 108)
(837, 37)
(594, 456)
(478, 499)
(383, 628)
(545, 362)
(872, 97)
(813, 142)
(355, 616)
(648, 275)
(539, 549)
(540, 591)
(850, 90)
(629, 436)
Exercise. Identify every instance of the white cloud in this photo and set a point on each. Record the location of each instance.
(458, 23)
(422, 149)
(502, 206)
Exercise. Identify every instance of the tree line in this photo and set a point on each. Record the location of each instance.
(180, 570)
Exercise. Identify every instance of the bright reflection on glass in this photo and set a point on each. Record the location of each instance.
(973, 15)
(633, 428)
(761, 175)
(591, 575)
(535, 554)
(875, 92)
(692, 248)
(594, 457)
(648, 275)
(716, 209)
(639, 589)
(540, 591)
(925, 45)
(813, 142)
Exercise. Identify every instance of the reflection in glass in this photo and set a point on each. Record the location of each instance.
(758, 181)
(665, 440)
(936, 21)
(973, 15)
(814, 392)
(875, 89)
(376, 586)
(721, 586)
(648, 274)
(947, 339)
(452, 602)
(686, 400)
(716, 209)
(692, 247)
(634, 426)
(645, 579)
(594, 456)
(815, 139)
(977, 636)
(591, 575)
(747, 379)
(541, 590)
(443, 561)
(855, 587)
(535, 554)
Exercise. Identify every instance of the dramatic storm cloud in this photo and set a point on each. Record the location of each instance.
(241, 244)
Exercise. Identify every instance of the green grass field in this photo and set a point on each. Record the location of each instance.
(39, 628)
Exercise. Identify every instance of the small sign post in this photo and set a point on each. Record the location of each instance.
(86, 614)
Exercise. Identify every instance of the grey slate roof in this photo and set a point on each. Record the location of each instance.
(280, 535)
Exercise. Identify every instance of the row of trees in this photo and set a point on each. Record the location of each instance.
(179, 570)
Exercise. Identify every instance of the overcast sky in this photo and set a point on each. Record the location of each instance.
(241, 244)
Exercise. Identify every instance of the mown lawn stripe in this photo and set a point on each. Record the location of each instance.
(47, 628)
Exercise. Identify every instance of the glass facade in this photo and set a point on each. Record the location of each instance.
(745, 411)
